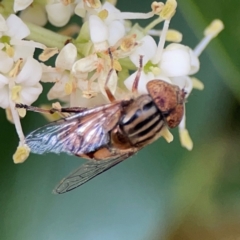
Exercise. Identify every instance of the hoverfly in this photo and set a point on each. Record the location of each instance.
(108, 134)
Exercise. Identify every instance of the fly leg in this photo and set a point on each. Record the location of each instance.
(52, 110)
(136, 80)
(106, 88)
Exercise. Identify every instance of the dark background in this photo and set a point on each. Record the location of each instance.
(165, 191)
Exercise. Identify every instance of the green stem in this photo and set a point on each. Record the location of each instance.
(46, 37)
(6, 8)
(153, 24)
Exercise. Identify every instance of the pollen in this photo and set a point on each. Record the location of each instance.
(68, 88)
(16, 69)
(47, 53)
(117, 66)
(103, 14)
(197, 84)
(9, 50)
(89, 94)
(67, 2)
(185, 139)
(15, 92)
(173, 36)
(22, 112)
(93, 3)
(214, 28)
(157, 7)
(169, 9)
(21, 154)
(155, 70)
(128, 42)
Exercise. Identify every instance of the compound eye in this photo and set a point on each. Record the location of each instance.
(175, 116)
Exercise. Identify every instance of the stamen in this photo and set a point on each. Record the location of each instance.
(67, 2)
(15, 92)
(48, 53)
(167, 134)
(103, 14)
(210, 32)
(169, 9)
(131, 15)
(173, 36)
(17, 123)
(197, 84)
(21, 154)
(157, 7)
(93, 3)
(9, 50)
(68, 88)
(161, 43)
(16, 69)
(185, 139)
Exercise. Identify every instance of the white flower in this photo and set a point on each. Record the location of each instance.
(12, 45)
(22, 88)
(21, 85)
(178, 60)
(60, 75)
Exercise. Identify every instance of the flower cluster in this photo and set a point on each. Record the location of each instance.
(106, 43)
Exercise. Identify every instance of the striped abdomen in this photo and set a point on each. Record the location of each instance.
(142, 121)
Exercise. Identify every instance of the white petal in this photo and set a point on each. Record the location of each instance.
(147, 49)
(29, 95)
(195, 64)
(3, 81)
(144, 79)
(21, 4)
(52, 75)
(98, 29)
(112, 82)
(116, 32)
(66, 57)
(30, 74)
(163, 78)
(57, 91)
(86, 64)
(92, 102)
(84, 85)
(112, 10)
(184, 82)
(23, 52)
(27, 43)
(2, 45)
(175, 60)
(16, 27)
(35, 14)
(4, 97)
(59, 14)
(6, 63)
(3, 24)
(80, 9)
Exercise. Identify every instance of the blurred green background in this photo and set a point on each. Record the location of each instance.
(164, 192)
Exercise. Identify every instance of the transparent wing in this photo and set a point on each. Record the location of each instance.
(78, 134)
(88, 171)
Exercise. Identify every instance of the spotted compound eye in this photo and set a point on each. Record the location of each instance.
(169, 100)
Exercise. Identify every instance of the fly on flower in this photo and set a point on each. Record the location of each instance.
(108, 134)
